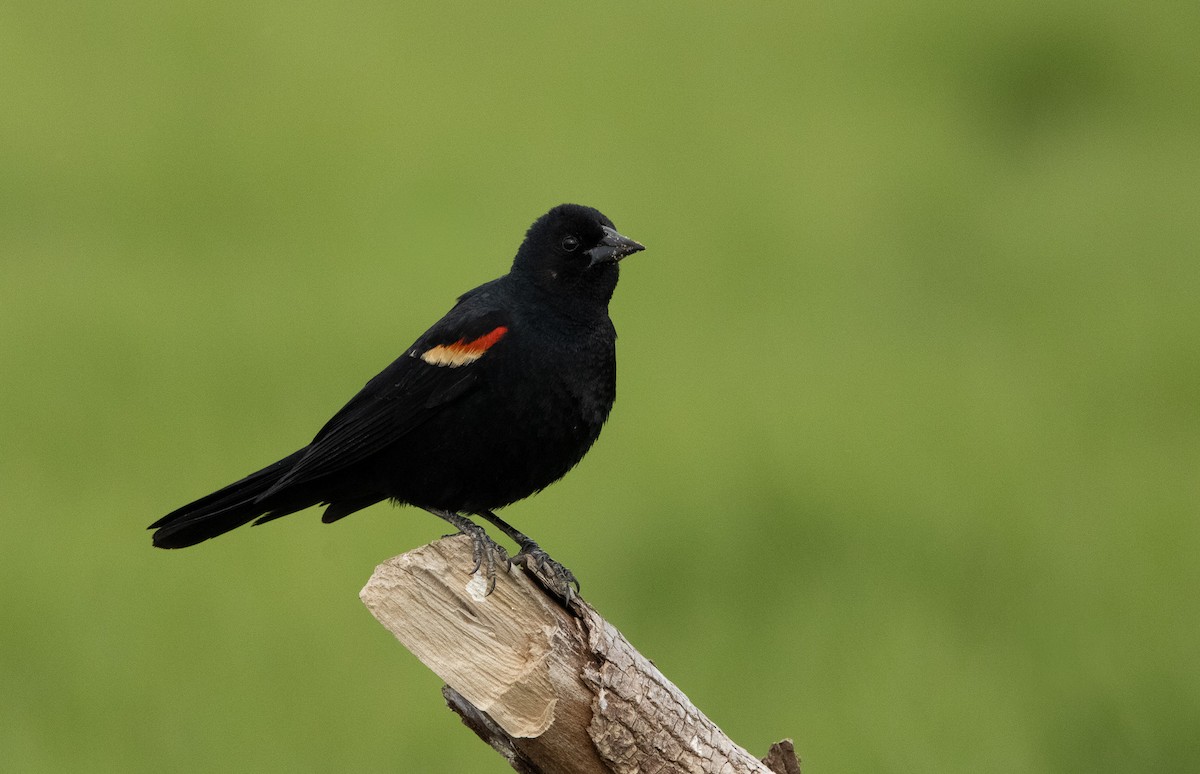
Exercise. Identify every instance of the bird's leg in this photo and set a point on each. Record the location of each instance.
(486, 551)
(559, 579)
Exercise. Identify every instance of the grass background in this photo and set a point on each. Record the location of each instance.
(906, 457)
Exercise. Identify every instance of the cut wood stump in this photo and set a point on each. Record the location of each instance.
(551, 689)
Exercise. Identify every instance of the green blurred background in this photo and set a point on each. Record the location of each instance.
(906, 457)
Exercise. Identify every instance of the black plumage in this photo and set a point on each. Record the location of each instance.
(499, 399)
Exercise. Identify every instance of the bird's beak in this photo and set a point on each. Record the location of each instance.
(612, 248)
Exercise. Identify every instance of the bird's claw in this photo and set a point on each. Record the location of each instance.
(558, 579)
(488, 554)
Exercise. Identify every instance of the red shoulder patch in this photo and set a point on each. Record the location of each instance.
(462, 351)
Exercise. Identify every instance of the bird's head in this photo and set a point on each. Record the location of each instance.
(573, 247)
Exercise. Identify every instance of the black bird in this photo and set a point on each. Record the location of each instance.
(499, 399)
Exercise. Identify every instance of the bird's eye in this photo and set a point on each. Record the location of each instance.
(570, 243)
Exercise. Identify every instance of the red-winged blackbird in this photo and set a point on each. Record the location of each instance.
(499, 399)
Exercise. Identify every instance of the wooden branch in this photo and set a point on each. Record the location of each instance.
(552, 690)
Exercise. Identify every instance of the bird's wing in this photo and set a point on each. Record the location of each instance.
(446, 363)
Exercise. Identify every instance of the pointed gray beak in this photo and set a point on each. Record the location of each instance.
(612, 248)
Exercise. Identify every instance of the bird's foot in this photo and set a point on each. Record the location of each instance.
(557, 579)
(488, 554)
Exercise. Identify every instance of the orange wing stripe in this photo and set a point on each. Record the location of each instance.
(462, 351)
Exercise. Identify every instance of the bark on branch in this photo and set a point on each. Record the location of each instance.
(552, 690)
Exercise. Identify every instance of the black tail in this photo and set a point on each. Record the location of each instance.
(229, 508)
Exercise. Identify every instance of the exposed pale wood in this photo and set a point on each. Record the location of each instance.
(551, 690)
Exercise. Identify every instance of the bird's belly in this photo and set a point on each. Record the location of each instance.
(505, 452)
